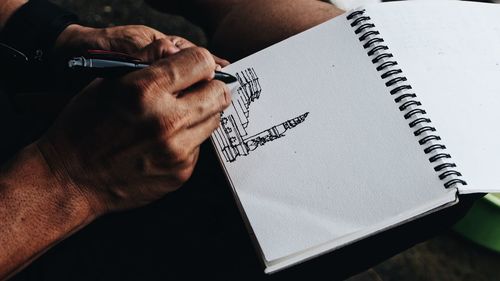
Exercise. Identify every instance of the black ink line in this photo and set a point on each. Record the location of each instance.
(231, 136)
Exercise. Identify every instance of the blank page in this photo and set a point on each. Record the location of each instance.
(450, 52)
(316, 150)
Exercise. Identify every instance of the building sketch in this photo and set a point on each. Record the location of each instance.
(232, 137)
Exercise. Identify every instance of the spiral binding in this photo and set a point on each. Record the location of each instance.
(404, 97)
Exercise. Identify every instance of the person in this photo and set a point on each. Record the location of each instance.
(123, 143)
(156, 119)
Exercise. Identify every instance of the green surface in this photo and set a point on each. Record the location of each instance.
(482, 223)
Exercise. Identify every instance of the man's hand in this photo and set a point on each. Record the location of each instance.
(146, 43)
(127, 142)
(119, 144)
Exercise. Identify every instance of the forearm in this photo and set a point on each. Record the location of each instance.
(239, 27)
(37, 210)
(253, 25)
(205, 13)
(7, 8)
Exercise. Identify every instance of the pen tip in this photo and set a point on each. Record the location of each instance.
(225, 77)
(231, 79)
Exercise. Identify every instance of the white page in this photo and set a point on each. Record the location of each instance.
(349, 169)
(450, 52)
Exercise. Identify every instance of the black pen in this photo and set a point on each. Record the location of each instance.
(106, 66)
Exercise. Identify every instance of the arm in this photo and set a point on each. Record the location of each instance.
(7, 8)
(238, 28)
(37, 210)
(243, 24)
(119, 144)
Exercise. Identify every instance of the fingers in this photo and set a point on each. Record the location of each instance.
(184, 171)
(129, 39)
(205, 101)
(165, 46)
(156, 50)
(181, 43)
(197, 134)
(154, 34)
(172, 75)
(201, 118)
(183, 69)
(162, 48)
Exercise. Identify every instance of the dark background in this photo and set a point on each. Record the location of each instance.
(105, 13)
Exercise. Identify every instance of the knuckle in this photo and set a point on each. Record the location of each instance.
(180, 42)
(199, 109)
(223, 96)
(203, 55)
(170, 148)
(177, 152)
(173, 39)
(171, 72)
(181, 156)
(164, 42)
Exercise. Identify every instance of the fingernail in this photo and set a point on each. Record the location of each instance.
(218, 67)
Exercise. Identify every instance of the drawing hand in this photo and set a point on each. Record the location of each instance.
(126, 142)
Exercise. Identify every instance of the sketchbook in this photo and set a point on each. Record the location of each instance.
(379, 116)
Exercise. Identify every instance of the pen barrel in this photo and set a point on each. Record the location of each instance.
(112, 68)
(104, 68)
(110, 72)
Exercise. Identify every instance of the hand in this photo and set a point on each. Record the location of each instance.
(167, 46)
(123, 143)
(128, 39)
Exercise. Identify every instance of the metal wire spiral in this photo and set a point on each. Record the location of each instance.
(406, 100)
